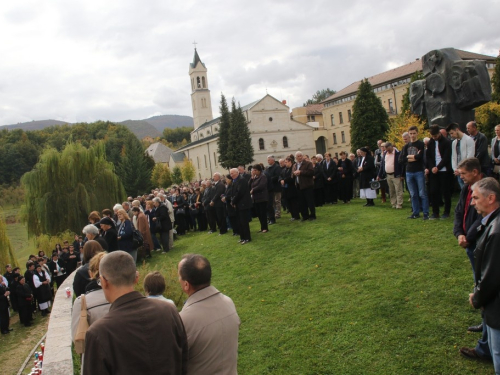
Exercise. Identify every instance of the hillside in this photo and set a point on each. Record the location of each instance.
(152, 127)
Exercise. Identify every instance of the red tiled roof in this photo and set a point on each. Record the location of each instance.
(401, 72)
(314, 109)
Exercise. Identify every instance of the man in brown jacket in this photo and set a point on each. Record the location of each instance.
(139, 335)
(211, 321)
(303, 171)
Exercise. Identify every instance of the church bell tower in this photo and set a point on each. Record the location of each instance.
(200, 94)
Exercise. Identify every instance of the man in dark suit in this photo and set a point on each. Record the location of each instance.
(217, 204)
(330, 174)
(242, 201)
(303, 171)
(438, 160)
(209, 210)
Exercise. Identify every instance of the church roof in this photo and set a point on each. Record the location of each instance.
(314, 109)
(196, 60)
(159, 152)
(399, 73)
(199, 141)
(178, 156)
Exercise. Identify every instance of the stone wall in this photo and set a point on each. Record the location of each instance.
(57, 358)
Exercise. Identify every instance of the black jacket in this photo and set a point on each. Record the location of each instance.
(111, 238)
(487, 259)
(53, 268)
(289, 189)
(329, 171)
(481, 151)
(163, 218)
(208, 195)
(272, 173)
(472, 220)
(444, 145)
(240, 194)
(319, 179)
(219, 189)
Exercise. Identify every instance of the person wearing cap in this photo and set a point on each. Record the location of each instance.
(110, 234)
(366, 171)
(57, 269)
(41, 281)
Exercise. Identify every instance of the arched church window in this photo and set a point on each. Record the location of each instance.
(198, 82)
(285, 142)
(261, 144)
(203, 82)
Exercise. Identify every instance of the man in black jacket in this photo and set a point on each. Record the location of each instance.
(481, 150)
(486, 296)
(330, 176)
(217, 204)
(242, 201)
(208, 195)
(438, 168)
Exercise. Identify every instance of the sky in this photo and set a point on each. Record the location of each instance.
(83, 61)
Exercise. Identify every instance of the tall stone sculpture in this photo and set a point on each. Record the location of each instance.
(451, 89)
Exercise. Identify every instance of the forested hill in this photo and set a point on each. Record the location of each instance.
(150, 127)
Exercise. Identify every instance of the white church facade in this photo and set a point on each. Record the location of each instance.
(272, 130)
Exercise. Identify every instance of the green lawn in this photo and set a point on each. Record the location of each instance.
(359, 291)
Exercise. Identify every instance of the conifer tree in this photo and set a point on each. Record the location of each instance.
(224, 128)
(7, 255)
(134, 168)
(176, 175)
(64, 187)
(369, 121)
(240, 142)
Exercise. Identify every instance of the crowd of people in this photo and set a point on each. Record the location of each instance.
(105, 256)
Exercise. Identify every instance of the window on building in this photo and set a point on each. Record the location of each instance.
(198, 83)
(334, 138)
(343, 137)
(332, 117)
(341, 119)
(349, 115)
(261, 144)
(206, 165)
(203, 82)
(312, 118)
(285, 142)
(216, 128)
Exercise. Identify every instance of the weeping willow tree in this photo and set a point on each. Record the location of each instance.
(64, 187)
(6, 253)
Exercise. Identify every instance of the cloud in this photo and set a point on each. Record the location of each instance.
(122, 59)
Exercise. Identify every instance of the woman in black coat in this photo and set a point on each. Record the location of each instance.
(231, 211)
(163, 223)
(258, 190)
(366, 174)
(345, 173)
(24, 297)
(319, 182)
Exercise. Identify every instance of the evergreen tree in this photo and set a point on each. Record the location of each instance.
(369, 118)
(240, 149)
(176, 175)
(187, 170)
(224, 128)
(495, 82)
(7, 255)
(134, 168)
(64, 187)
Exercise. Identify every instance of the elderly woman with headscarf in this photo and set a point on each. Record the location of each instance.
(366, 170)
(82, 278)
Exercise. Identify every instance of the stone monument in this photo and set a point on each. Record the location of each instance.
(451, 88)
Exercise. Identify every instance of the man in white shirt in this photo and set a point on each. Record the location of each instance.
(463, 147)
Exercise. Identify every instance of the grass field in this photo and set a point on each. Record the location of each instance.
(359, 291)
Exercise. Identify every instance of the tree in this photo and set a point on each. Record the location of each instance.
(161, 176)
(224, 128)
(487, 117)
(64, 187)
(177, 135)
(406, 97)
(495, 82)
(7, 255)
(240, 142)
(188, 172)
(134, 168)
(400, 124)
(319, 96)
(369, 121)
(176, 175)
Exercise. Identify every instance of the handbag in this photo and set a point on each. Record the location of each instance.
(194, 211)
(137, 238)
(181, 211)
(81, 330)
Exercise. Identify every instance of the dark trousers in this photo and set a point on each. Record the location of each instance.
(271, 214)
(293, 207)
(261, 208)
(243, 224)
(156, 243)
(233, 220)
(202, 221)
(331, 193)
(306, 203)
(164, 237)
(220, 215)
(319, 196)
(25, 314)
(346, 189)
(4, 318)
(439, 186)
(211, 219)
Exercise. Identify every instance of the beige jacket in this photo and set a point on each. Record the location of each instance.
(212, 326)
